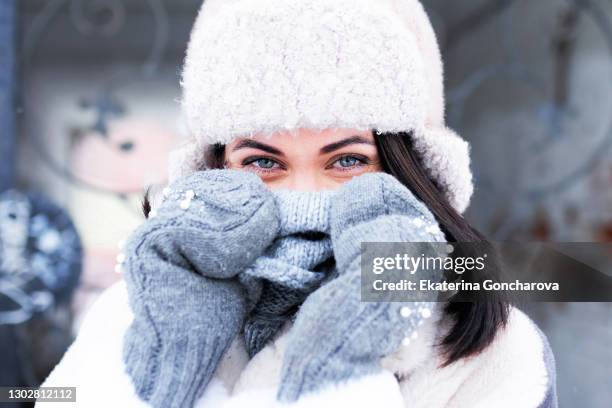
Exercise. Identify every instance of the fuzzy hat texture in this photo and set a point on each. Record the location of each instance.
(262, 66)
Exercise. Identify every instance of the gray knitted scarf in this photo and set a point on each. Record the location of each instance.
(297, 263)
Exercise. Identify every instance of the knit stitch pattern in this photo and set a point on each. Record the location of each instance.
(295, 265)
(180, 271)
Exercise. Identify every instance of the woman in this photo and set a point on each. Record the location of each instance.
(339, 103)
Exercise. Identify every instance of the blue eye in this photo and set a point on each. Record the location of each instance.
(264, 163)
(348, 161)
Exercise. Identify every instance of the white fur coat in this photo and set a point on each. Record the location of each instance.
(517, 370)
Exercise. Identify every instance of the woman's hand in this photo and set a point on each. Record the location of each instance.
(179, 270)
(217, 220)
(336, 336)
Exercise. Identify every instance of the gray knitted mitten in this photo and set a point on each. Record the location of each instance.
(336, 336)
(180, 271)
(292, 267)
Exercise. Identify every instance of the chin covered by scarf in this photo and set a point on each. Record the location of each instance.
(298, 261)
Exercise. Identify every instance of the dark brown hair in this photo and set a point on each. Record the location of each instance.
(476, 317)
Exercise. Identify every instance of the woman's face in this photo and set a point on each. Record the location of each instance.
(310, 160)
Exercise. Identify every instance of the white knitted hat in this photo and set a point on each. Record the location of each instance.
(261, 66)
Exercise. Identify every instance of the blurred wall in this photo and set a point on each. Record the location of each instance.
(100, 115)
(529, 84)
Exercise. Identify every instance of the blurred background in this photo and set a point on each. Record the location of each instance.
(89, 112)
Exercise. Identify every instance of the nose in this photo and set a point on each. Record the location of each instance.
(303, 181)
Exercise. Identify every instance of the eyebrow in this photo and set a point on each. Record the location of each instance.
(253, 144)
(345, 142)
